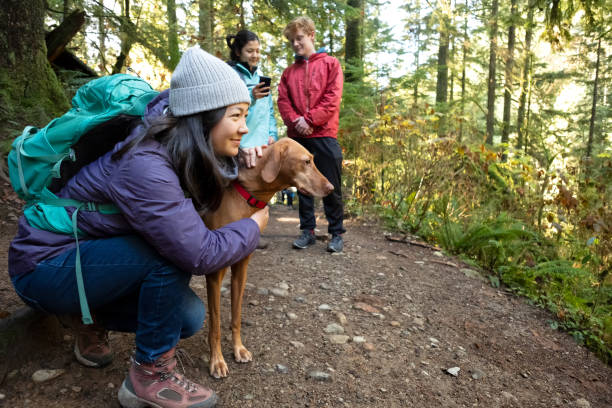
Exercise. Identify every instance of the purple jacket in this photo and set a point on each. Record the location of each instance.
(145, 187)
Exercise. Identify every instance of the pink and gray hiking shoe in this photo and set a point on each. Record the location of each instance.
(158, 385)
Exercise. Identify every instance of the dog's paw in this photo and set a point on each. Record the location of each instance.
(218, 369)
(242, 355)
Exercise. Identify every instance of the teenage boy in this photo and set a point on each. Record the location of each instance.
(309, 97)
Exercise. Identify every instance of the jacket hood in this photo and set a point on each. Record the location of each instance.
(157, 106)
(321, 52)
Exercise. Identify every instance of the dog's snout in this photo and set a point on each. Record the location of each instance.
(329, 187)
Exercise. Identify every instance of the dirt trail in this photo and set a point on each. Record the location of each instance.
(403, 315)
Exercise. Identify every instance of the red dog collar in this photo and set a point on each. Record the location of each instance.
(252, 201)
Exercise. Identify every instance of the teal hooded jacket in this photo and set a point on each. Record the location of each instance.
(261, 121)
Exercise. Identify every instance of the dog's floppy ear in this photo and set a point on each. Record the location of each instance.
(273, 164)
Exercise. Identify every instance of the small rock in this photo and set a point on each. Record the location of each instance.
(365, 307)
(582, 403)
(379, 315)
(291, 316)
(369, 347)
(477, 374)
(224, 291)
(249, 397)
(341, 318)
(263, 291)
(419, 262)
(300, 299)
(281, 369)
(46, 375)
(283, 286)
(319, 375)
(438, 254)
(324, 286)
(434, 340)
(454, 371)
(2, 396)
(324, 306)
(197, 286)
(75, 388)
(297, 344)
(358, 339)
(253, 302)
(110, 385)
(509, 396)
(395, 323)
(279, 292)
(472, 274)
(334, 328)
(418, 321)
(524, 375)
(339, 338)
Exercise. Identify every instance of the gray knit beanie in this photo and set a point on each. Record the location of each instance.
(202, 82)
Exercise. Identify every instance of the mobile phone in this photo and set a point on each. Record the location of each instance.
(266, 80)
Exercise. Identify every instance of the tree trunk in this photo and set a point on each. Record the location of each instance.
(30, 93)
(416, 57)
(509, 78)
(451, 57)
(127, 35)
(205, 19)
(442, 77)
(65, 7)
(520, 120)
(354, 41)
(463, 63)
(594, 105)
(101, 39)
(58, 38)
(491, 83)
(173, 48)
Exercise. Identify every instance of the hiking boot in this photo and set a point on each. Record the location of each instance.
(159, 385)
(92, 346)
(336, 244)
(305, 240)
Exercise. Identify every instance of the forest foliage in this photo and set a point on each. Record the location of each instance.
(482, 126)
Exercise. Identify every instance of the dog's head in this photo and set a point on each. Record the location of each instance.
(288, 163)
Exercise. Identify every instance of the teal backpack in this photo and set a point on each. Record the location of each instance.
(42, 158)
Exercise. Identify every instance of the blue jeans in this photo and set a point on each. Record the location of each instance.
(129, 287)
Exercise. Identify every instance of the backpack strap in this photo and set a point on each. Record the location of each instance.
(49, 198)
(85, 313)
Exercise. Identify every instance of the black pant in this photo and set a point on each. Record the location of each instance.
(328, 159)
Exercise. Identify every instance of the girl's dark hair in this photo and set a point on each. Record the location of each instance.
(238, 41)
(202, 174)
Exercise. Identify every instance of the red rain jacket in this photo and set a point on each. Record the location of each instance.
(312, 88)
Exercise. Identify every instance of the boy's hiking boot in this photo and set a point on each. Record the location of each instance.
(158, 385)
(92, 346)
(336, 244)
(305, 240)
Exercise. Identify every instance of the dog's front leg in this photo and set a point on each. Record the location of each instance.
(217, 366)
(239, 277)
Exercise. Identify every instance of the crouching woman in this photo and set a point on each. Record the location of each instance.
(137, 265)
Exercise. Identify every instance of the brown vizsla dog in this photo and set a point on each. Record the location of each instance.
(283, 164)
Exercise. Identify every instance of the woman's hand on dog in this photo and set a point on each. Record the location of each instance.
(261, 218)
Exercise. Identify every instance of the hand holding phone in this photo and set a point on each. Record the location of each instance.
(262, 89)
(267, 81)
